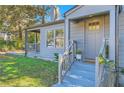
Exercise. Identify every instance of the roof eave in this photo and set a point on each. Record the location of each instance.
(46, 24)
(71, 9)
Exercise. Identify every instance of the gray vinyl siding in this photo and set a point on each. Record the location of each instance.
(106, 26)
(77, 33)
(45, 52)
(121, 39)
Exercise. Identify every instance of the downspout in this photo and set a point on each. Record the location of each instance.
(117, 45)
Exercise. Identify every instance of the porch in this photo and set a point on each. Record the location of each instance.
(32, 47)
(89, 33)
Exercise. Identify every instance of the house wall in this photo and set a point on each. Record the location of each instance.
(77, 33)
(45, 52)
(121, 39)
(106, 26)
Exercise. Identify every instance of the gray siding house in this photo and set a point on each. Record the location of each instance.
(90, 29)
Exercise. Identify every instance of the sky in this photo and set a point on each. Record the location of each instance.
(64, 8)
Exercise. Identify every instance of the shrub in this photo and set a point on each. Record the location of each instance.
(19, 44)
(11, 45)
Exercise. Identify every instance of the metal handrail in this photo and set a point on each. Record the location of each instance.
(104, 76)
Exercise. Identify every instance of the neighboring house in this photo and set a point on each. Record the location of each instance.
(92, 29)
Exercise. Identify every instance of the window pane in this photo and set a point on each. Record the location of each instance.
(59, 33)
(94, 26)
(59, 43)
(50, 39)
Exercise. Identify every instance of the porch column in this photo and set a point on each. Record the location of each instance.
(67, 32)
(26, 42)
(112, 35)
(35, 42)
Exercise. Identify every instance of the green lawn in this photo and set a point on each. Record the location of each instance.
(26, 72)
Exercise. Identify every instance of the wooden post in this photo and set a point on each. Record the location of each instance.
(26, 42)
(73, 50)
(60, 69)
(97, 72)
(112, 35)
(35, 42)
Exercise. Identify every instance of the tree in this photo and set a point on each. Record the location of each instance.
(15, 18)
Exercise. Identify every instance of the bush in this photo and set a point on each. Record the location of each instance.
(19, 44)
(11, 45)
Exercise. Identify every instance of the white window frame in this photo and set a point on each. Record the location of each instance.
(54, 38)
(58, 38)
(47, 38)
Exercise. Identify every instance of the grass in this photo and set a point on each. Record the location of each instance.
(22, 71)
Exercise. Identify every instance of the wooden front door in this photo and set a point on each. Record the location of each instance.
(93, 37)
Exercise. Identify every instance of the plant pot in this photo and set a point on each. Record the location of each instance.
(78, 56)
(121, 79)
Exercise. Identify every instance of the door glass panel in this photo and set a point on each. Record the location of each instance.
(93, 26)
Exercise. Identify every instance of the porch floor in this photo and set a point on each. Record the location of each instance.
(80, 75)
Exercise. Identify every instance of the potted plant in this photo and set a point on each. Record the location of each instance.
(121, 79)
(78, 54)
(56, 57)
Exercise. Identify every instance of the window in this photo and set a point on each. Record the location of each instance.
(59, 38)
(55, 38)
(94, 25)
(50, 39)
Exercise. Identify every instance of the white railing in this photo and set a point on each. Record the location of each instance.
(66, 60)
(105, 76)
(34, 47)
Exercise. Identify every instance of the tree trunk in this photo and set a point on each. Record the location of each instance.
(20, 33)
(43, 16)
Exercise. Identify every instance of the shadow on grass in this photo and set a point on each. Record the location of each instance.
(27, 72)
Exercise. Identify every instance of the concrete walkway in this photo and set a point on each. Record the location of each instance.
(80, 75)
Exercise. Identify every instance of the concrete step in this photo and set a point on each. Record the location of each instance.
(80, 75)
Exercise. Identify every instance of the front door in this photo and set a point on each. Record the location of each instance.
(94, 34)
